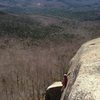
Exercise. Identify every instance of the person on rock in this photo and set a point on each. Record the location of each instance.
(64, 82)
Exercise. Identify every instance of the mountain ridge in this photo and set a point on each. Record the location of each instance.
(72, 4)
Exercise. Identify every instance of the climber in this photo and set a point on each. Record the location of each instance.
(64, 81)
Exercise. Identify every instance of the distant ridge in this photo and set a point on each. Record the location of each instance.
(68, 4)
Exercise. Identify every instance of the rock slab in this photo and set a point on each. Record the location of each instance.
(53, 92)
(84, 79)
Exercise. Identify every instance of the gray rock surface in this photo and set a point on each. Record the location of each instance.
(84, 78)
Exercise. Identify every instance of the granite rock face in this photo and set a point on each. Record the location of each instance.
(84, 78)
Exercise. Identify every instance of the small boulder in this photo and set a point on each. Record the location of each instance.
(53, 92)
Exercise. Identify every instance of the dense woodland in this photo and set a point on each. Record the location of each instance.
(34, 53)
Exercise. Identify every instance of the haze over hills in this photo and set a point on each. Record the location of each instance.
(67, 4)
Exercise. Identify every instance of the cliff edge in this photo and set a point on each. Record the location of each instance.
(84, 78)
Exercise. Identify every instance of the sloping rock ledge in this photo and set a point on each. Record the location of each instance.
(53, 92)
(84, 79)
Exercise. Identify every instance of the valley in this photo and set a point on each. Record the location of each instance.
(38, 41)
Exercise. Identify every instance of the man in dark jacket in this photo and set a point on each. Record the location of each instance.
(64, 82)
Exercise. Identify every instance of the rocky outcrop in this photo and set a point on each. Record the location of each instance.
(84, 78)
(54, 91)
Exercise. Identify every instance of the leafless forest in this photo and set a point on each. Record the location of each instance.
(29, 65)
(27, 68)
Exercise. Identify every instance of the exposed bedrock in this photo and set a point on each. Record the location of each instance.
(84, 78)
